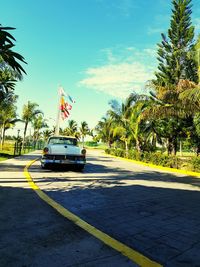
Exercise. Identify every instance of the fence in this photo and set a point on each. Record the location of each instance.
(17, 148)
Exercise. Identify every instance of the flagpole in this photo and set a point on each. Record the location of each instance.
(57, 129)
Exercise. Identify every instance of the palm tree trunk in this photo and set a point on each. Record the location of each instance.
(2, 135)
(109, 144)
(25, 130)
(154, 139)
(82, 140)
(175, 146)
(198, 149)
(1, 130)
(138, 145)
(169, 146)
(126, 147)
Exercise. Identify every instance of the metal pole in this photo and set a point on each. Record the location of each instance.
(58, 116)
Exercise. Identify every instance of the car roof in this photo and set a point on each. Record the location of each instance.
(62, 136)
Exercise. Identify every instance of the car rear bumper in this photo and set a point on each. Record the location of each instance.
(63, 160)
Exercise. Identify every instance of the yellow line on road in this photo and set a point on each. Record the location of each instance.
(133, 255)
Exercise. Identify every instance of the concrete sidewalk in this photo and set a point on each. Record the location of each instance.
(33, 234)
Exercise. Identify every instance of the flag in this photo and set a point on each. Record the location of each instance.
(70, 98)
(64, 107)
(63, 93)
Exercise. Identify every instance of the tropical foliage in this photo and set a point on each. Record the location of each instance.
(10, 67)
(168, 116)
(29, 114)
(8, 116)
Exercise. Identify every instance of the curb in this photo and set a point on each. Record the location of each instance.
(188, 173)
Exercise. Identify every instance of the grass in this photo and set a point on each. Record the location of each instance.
(8, 150)
(102, 147)
(186, 154)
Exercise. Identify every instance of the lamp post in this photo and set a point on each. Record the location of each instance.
(18, 131)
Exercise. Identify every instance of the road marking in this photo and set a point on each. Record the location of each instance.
(189, 173)
(130, 253)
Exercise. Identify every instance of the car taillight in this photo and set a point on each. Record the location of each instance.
(45, 150)
(83, 151)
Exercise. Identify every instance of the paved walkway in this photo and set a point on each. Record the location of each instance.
(33, 234)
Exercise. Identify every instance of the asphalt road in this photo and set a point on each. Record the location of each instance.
(155, 212)
(152, 211)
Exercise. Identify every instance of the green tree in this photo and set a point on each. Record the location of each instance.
(71, 129)
(29, 112)
(8, 116)
(38, 122)
(7, 55)
(104, 131)
(46, 134)
(175, 63)
(10, 68)
(120, 115)
(177, 71)
(84, 130)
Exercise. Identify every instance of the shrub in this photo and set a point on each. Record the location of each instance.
(107, 150)
(119, 152)
(158, 158)
(195, 162)
(133, 154)
(91, 143)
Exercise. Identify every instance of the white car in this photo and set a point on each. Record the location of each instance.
(63, 150)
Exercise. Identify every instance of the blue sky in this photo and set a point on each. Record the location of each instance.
(97, 50)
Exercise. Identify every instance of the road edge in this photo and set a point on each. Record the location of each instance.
(188, 173)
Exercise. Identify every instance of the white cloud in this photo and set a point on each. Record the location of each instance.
(197, 24)
(126, 7)
(155, 30)
(123, 8)
(121, 75)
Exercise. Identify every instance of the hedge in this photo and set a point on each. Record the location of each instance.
(158, 158)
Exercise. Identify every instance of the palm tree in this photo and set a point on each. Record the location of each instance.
(9, 123)
(8, 79)
(84, 130)
(38, 123)
(71, 129)
(137, 122)
(46, 134)
(7, 55)
(103, 129)
(120, 115)
(28, 114)
(10, 69)
(8, 114)
(175, 104)
(190, 96)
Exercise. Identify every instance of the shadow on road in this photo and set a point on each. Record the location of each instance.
(16, 164)
(157, 219)
(33, 234)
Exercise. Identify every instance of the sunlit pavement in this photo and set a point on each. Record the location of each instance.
(33, 234)
(152, 211)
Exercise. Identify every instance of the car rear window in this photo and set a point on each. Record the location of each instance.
(62, 141)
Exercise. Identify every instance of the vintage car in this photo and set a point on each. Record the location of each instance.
(63, 150)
